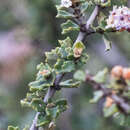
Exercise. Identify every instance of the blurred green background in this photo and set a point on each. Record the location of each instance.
(28, 28)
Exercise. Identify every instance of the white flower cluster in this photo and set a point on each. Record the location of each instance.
(119, 19)
(66, 3)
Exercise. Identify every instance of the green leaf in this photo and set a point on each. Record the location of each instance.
(42, 82)
(66, 42)
(12, 128)
(68, 66)
(62, 52)
(51, 55)
(64, 14)
(100, 77)
(82, 60)
(79, 45)
(80, 75)
(38, 104)
(59, 7)
(61, 102)
(110, 110)
(107, 42)
(52, 112)
(70, 83)
(62, 66)
(69, 26)
(39, 85)
(84, 7)
(58, 65)
(97, 96)
(43, 120)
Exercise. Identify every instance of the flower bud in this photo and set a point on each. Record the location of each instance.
(77, 52)
(117, 71)
(126, 73)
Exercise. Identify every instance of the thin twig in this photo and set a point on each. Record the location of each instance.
(50, 93)
(33, 126)
(92, 17)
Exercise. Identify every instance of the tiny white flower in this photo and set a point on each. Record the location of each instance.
(66, 3)
(119, 18)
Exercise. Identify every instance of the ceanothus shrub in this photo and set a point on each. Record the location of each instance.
(70, 56)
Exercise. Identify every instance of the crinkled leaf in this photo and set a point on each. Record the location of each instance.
(64, 66)
(43, 120)
(52, 112)
(68, 66)
(84, 7)
(70, 83)
(61, 102)
(69, 26)
(39, 85)
(38, 104)
(58, 65)
(79, 45)
(64, 14)
(82, 60)
(66, 42)
(12, 128)
(52, 55)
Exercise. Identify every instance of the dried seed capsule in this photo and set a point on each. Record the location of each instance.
(117, 71)
(126, 73)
